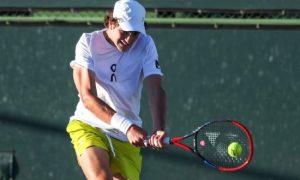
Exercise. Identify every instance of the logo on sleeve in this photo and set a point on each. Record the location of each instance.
(157, 64)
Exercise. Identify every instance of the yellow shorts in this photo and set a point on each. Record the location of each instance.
(127, 160)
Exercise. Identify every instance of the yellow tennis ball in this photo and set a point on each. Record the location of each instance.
(234, 149)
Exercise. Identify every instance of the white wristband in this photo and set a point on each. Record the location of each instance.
(120, 122)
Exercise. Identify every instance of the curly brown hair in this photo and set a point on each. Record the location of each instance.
(109, 17)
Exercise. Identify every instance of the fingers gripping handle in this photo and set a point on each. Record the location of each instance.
(166, 140)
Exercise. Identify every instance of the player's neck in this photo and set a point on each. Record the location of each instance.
(108, 39)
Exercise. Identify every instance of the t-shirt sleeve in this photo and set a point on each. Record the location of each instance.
(82, 53)
(151, 63)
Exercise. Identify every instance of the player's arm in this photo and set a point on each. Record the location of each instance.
(85, 83)
(158, 106)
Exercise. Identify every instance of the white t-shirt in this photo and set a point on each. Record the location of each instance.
(119, 76)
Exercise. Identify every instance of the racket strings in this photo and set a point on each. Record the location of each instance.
(214, 139)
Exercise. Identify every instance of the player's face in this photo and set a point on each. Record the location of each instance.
(123, 40)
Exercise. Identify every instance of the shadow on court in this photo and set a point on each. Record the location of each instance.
(32, 123)
(181, 157)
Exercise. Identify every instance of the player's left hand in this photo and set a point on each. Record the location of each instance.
(136, 136)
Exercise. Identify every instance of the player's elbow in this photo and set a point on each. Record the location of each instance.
(162, 94)
(161, 91)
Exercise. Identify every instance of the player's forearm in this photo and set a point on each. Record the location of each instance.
(158, 108)
(105, 113)
(98, 107)
(85, 83)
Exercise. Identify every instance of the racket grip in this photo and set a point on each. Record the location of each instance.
(167, 140)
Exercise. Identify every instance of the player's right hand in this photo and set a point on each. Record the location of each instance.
(136, 135)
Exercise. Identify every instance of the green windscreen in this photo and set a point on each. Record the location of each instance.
(158, 17)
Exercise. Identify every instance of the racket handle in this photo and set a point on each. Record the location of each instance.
(167, 140)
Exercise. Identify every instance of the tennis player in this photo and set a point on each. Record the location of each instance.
(109, 69)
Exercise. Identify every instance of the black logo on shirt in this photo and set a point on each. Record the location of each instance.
(113, 68)
(157, 64)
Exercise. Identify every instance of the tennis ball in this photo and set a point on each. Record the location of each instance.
(234, 149)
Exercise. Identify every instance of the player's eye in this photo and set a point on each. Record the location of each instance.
(129, 33)
(133, 33)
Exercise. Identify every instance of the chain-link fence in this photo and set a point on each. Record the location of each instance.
(157, 17)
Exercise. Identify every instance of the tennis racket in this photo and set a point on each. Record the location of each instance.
(211, 141)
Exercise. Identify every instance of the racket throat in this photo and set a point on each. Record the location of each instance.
(183, 146)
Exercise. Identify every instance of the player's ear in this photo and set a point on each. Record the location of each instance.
(114, 24)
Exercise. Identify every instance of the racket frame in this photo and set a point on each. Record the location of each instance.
(177, 141)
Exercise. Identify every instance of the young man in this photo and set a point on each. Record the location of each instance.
(109, 69)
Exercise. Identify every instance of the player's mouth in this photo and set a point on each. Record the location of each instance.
(124, 45)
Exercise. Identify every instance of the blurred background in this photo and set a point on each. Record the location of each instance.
(209, 74)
